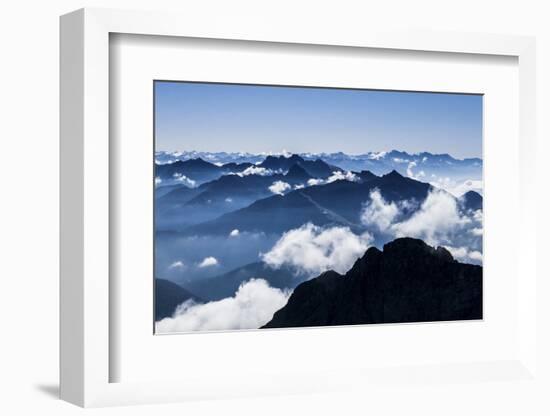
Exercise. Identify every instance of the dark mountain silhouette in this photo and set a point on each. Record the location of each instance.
(319, 168)
(297, 174)
(471, 201)
(336, 203)
(225, 285)
(366, 175)
(168, 296)
(236, 167)
(281, 163)
(408, 281)
(196, 169)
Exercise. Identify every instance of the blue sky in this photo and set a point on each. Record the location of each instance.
(250, 118)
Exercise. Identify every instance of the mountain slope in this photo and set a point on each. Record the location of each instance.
(168, 296)
(270, 215)
(408, 281)
(183, 206)
(336, 203)
(196, 169)
(225, 285)
(471, 200)
(297, 174)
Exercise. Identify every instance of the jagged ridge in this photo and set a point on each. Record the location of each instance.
(409, 281)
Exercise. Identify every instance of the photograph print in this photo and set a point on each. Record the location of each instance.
(293, 207)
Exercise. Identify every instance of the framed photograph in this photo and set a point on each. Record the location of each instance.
(273, 204)
(250, 234)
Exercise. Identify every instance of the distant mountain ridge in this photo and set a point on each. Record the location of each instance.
(471, 200)
(202, 167)
(225, 285)
(408, 281)
(336, 203)
(168, 295)
(163, 157)
(182, 206)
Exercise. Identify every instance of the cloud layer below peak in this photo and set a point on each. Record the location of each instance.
(312, 249)
(252, 306)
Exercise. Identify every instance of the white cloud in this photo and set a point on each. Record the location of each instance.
(458, 188)
(234, 233)
(438, 221)
(178, 177)
(177, 265)
(410, 166)
(410, 172)
(336, 176)
(279, 187)
(339, 175)
(435, 221)
(208, 262)
(477, 231)
(377, 155)
(379, 213)
(255, 170)
(476, 255)
(252, 307)
(478, 216)
(312, 249)
(313, 182)
(229, 200)
(286, 153)
(158, 181)
(463, 254)
(299, 186)
(459, 253)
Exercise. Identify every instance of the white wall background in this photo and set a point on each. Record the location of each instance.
(29, 205)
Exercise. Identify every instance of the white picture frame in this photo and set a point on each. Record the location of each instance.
(86, 355)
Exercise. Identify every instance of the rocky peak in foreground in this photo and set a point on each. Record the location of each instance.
(408, 281)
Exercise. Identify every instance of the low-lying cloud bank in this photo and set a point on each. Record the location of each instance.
(378, 213)
(209, 262)
(437, 221)
(253, 306)
(312, 249)
(458, 188)
(179, 178)
(279, 187)
(336, 176)
(255, 170)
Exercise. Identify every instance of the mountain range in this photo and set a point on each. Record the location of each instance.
(218, 214)
(377, 162)
(168, 296)
(335, 203)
